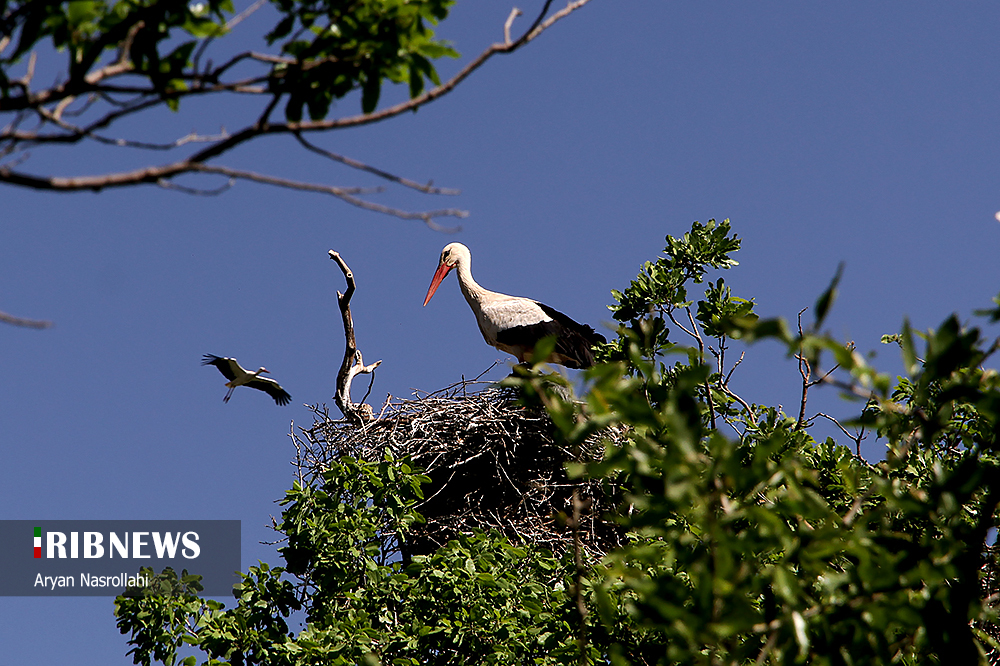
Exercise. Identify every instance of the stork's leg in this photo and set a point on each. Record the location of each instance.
(229, 394)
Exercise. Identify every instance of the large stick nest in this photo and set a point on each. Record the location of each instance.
(493, 464)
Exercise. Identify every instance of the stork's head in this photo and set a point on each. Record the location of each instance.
(261, 370)
(452, 255)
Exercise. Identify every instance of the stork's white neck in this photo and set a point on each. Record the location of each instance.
(473, 292)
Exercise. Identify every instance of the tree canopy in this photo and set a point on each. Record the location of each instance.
(747, 539)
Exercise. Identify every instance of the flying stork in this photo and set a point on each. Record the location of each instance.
(237, 376)
(513, 324)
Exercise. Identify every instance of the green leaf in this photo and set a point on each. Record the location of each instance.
(823, 303)
(372, 88)
(906, 345)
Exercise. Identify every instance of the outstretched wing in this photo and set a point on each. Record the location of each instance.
(270, 387)
(227, 366)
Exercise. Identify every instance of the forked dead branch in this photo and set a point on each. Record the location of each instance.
(354, 363)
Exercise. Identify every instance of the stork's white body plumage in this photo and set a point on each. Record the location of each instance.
(514, 324)
(238, 376)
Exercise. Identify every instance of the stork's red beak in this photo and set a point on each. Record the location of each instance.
(436, 280)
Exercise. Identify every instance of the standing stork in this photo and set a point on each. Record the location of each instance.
(237, 376)
(513, 324)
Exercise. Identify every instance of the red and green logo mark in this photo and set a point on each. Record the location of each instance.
(38, 542)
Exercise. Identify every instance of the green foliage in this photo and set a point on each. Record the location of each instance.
(86, 30)
(334, 46)
(663, 284)
(769, 547)
(351, 44)
(477, 600)
(661, 288)
(775, 548)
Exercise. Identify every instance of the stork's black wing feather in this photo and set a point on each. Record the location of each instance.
(573, 339)
(528, 334)
(271, 387)
(225, 365)
(584, 330)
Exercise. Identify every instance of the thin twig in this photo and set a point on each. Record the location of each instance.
(701, 357)
(579, 505)
(857, 438)
(169, 185)
(21, 321)
(514, 13)
(428, 188)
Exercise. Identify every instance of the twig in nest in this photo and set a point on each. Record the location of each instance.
(353, 362)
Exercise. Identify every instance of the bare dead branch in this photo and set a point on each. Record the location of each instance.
(75, 136)
(342, 193)
(679, 325)
(233, 22)
(857, 437)
(806, 372)
(90, 101)
(192, 137)
(746, 406)
(21, 321)
(701, 355)
(122, 64)
(428, 188)
(167, 185)
(265, 117)
(230, 24)
(353, 364)
(733, 369)
(514, 13)
(30, 74)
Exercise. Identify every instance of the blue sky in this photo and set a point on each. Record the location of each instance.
(859, 132)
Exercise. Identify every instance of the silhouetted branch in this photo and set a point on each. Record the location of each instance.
(353, 362)
(428, 188)
(21, 321)
(168, 185)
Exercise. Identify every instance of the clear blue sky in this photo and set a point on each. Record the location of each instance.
(859, 132)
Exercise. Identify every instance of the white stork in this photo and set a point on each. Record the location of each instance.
(514, 324)
(237, 376)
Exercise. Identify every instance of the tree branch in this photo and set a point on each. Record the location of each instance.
(353, 364)
(397, 109)
(21, 321)
(370, 169)
(81, 82)
(342, 193)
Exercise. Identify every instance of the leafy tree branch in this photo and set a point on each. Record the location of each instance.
(125, 59)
